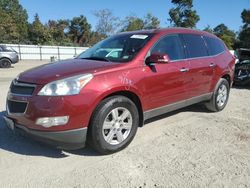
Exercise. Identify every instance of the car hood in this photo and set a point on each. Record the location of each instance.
(54, 71)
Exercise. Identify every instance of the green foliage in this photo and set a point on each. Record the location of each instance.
(183, 15)
(245, 15)
(13, 21)
(133, 23)
(151, 22)
(208, 29)
(57, 31)
(244, 38)
(244, 35)
(95, 37)
(225, 34)
(14, 26)
(79, 30)
(8, 28)
(38, 33)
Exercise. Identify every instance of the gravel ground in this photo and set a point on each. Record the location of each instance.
(186, 148)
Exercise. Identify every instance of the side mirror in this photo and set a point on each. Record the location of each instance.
(157, 58)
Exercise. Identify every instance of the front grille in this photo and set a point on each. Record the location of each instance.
(21, 88)
(16, 107)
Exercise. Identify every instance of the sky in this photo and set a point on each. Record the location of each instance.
(211, 12)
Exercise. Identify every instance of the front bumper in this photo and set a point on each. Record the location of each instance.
(15, 59)
(70, 139)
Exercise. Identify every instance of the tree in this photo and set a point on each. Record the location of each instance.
(244, 38)
(208, 29)
(95, 37)
(13, 21)
(245, 15)
(79, 30)
(107, 23)
(244, 35)
(57, 31)
(38, 33)
(151, 22)
(225, 34)
(8, 29)
(133, 23)
(183, 15)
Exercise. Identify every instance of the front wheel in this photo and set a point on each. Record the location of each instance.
(5, 63)
(113, 124)
(220, 96)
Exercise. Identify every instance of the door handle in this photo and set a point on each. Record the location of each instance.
(212, 65)
(184, 69)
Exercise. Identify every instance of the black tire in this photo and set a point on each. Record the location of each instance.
(96, 131)
(213, 105)
(5, 63)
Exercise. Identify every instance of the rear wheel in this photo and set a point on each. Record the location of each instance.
(5, 63)
(113, 124)
(220, 96)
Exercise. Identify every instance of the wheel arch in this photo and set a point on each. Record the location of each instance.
(1, 58)
(228, 78)
(133, 97)
(126, 93)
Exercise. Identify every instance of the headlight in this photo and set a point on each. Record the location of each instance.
(67, 86)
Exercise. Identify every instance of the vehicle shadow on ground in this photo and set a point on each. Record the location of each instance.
(199, 108)
(241, 86)
(19, 144)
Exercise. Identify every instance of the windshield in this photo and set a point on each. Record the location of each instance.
(119, 48)
(7, 49)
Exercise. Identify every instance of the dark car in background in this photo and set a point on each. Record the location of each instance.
(8, 56)
(242, 67)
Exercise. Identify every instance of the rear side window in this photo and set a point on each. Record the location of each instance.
(170, 45)
(215, 46)
(195, 46)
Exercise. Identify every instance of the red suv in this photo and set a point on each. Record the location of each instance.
(104, 94)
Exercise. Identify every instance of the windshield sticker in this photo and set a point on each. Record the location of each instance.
(139, 37)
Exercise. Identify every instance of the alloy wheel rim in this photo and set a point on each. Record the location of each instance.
(117, 126)
(222, 95)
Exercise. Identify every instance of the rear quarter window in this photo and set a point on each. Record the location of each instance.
(215, 46)
(195, 45)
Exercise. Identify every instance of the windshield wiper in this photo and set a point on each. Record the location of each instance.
(97, 58)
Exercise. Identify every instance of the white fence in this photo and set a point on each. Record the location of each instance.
(35, 52)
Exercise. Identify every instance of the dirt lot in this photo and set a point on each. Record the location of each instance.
(186, 148)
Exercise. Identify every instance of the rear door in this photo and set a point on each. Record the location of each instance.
(202, 66)
(166, 83)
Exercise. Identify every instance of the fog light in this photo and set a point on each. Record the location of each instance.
(52, 121)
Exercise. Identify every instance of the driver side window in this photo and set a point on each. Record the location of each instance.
(170, 45)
